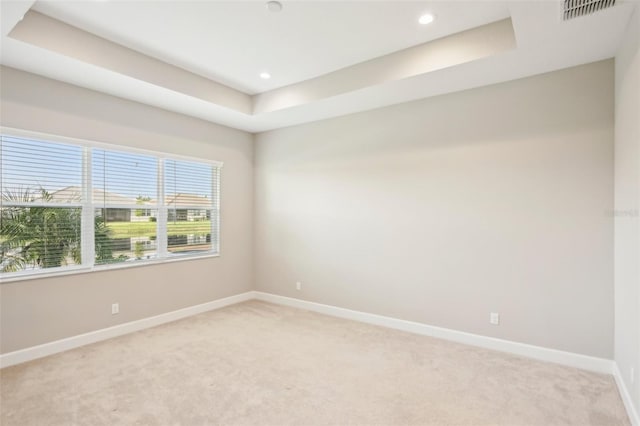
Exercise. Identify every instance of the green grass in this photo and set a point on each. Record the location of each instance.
(148, 229)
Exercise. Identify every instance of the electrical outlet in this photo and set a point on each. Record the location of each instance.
(494, 318)
(298, 285)
(115, 308)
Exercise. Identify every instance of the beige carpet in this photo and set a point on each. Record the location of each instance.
(260, 364)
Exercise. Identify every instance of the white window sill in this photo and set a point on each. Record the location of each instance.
(74, 270)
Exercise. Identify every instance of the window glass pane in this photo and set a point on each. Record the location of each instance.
(33, 238)
(124, 178)
(35, 171)
(125, 235)
(189, 230)
(191, 198)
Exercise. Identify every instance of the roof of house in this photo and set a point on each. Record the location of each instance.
(188, 200)
(73, 194)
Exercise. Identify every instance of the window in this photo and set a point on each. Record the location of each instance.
(189, 196)
(73, 206)
(38, 228)
(125, 192)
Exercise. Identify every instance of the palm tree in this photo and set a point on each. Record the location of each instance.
(102, 238)
(37, 237)
(45, 237)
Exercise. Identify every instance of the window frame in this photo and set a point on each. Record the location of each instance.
(88, 208)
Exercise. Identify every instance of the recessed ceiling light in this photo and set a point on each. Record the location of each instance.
(265, 75)
(427, 18)
(274, 6)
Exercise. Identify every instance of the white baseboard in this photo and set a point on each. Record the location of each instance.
(626, 396)
(585, 362)
(34, 352)
(599, 365)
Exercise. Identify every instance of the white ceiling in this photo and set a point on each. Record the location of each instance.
(232, 42)
(314, 50)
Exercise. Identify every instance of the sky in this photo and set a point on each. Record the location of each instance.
(28, 163)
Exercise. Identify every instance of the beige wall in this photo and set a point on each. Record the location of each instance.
(43, 310)
(446, 209)
(627, 208)
(438, 211)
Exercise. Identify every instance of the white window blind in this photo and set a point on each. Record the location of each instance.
(77, 205)
(190, 194)
(40, 207)
(125, 190)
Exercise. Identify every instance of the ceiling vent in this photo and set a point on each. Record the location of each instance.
(576, 8)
